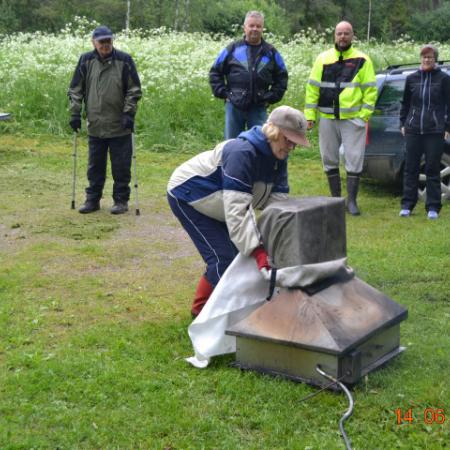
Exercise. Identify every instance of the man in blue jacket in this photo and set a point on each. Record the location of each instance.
(248, 74)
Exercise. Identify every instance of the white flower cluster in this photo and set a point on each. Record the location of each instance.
(167, 61)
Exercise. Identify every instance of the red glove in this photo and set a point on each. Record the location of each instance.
(261, 257)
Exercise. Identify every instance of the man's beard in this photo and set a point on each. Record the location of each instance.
(342, 49)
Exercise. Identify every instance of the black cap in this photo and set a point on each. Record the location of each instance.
(102, 32)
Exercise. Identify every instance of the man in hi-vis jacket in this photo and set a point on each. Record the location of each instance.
(342, 92)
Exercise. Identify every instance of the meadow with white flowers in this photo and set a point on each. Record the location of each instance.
(177, 106)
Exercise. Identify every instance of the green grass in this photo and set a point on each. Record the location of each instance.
(94, 313)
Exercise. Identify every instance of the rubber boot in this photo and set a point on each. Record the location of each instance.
(352, 193)
(202, 294)
(334, 181)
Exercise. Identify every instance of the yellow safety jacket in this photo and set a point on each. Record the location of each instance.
(341, 85)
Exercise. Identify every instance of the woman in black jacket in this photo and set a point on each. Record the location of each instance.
(424, 122)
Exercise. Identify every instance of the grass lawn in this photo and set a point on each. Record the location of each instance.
(94, 313)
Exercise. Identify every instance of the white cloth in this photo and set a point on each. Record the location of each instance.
(241, 290)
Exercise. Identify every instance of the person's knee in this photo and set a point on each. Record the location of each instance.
(215, 270)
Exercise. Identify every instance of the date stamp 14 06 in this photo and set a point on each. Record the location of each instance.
(428, 416)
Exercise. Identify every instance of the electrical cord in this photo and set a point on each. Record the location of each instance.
(347, 413)
(327, 386)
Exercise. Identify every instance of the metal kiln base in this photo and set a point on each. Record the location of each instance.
(348, 328)
(300, 365)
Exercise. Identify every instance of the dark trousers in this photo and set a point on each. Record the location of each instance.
(210, 236)
(432, 146)
(120, 153)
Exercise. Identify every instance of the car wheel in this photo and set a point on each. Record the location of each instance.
(445, 179)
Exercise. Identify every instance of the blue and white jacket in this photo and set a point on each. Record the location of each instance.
(232, 180)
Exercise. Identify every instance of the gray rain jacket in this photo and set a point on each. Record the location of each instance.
(109, 88)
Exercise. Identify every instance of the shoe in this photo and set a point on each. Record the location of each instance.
(89, 207)
(119, 208)
(405, 213)
(433, 215)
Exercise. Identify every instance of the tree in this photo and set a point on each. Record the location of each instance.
(439, 18)
(389, 19)
(8, 19)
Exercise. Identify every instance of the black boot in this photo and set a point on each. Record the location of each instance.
(334, 181)
(89, 206)
(119, 208)
(352, 193)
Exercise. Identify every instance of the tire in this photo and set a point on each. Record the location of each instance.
(445, 179)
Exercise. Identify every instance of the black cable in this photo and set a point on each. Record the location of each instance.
(273, 280)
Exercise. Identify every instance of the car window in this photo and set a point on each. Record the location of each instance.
(390, 97)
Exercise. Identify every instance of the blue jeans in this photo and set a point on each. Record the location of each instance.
(236, 119)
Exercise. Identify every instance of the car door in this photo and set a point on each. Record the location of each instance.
(385, 144)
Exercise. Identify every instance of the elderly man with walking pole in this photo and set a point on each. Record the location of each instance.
(107, 82)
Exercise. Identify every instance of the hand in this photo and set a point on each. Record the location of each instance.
(310, 124)
(262, 258)
(75, 122)
(446, 135)
(128, 122)
(402, 130)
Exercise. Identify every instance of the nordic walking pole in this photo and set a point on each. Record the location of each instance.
(74, 177)
(136, 198)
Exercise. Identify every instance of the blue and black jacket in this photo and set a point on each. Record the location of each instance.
(247, 82)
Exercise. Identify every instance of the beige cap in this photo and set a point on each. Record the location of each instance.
(291, 122)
